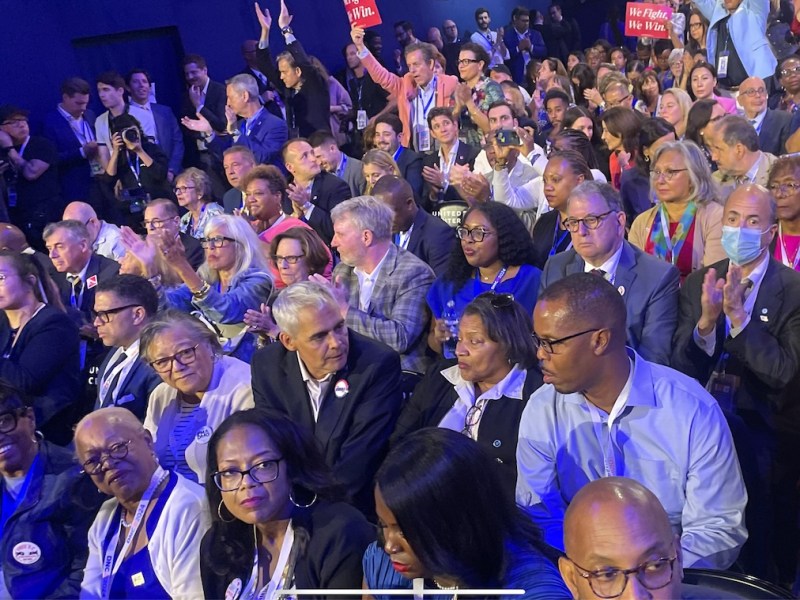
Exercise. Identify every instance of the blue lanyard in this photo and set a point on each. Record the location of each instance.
(427, 104)
(342, 167)
(136, 170)
(10, 504)
(558, 242)
(398, 152)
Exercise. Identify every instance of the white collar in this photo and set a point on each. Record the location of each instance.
(372, 276)
(509, 386)
(308, 376)
(609, 266)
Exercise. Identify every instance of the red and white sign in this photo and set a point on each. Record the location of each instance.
(362, 13)
(647, 20)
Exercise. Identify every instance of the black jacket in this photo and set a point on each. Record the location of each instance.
(432, 240)
(326, 192)
(465, 155)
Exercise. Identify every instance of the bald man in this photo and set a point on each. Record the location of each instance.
(12, 238)
(615, 524)
(427, 237)
(105, 237)
(773, 126)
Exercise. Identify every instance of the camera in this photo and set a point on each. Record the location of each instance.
(507, 137)
(131, 134)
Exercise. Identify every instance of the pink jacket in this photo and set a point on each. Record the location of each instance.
(729, 104)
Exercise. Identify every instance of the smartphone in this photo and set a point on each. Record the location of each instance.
(507, 137)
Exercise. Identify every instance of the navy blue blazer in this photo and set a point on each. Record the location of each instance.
(169, 136)
(133, 391)
(266, 138)
(649, 287)
(74, 173)
(432, 241)
(101, 267)
(775, 130)
(326, 192)
(516, 59)
(410, 165)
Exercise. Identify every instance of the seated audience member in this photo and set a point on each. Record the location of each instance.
(745, 347)
(298, 253)
(733, 144)
(428, 238)
(674, 108)
(193, 190)
(48, 505)
(40, 346)
(784, 184)
(649, 287)
(161, 219)
(380, 286)
(31, 162)
(123, 306)
(701, 116)
(11, 238)
(690, 462)
(343, 386)
(649, 92)
(389, 137)
(787, 97)
(200, 389)
(285, 518)
(376, 164)
(703, 86)
(685, 227)
(144, 542)
(436, 166)
(474, 97)
(564, 171)
(773, 126)
(265, 188)
(235, 277)
(580, 119)
(483, 395)
(237, 161)
(313, 192)
(618, 539)
(621, 134)
(104, 237)
(333, 160)
(447, 530)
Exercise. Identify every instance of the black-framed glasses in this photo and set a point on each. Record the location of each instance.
(695, 25)
(181, 189)
(611, 583)
(14, 122)
(467, 61)
(105, 315)
(573, 225)
(476, 234)
(547, 345)
(669, 174)
(791, 71)
(94, 464)
(754, 92)
(157, 223)
(292, 260)
(230, 480)
(8, 420)
(219, 241)
(184, 357)
(472, 418)
(619, 102)
(784, 188)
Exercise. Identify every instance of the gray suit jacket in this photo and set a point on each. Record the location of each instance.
(354, 176)
(649, 287)
(169, 135)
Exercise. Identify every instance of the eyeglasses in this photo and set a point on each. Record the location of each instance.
(754, 92)
(182, 189)
(94, 464)
(611, 583)
(183, 357)
(157, 223)
(784, 188)
(8, 420)
(216, 242)
(547, 345)
(573, 225)
(790, 71)
(292, 260)
(472, 418)
(15, 122)
(231, 479)
(475, 234)
(105, 315)
(695, 25)
(467, 61)
(618, 102)
(668, 174)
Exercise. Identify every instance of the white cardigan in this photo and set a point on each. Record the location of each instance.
(229, 392)
(174, 546)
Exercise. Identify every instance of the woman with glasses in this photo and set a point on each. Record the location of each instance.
(789, 79)
(42, 530)
(201, 388)
(438, 529)
(685, 226)
(696, 32)
(482, 392)
(145, 540)
(193, 190)
(649, 88)
(276, 523)
(784, 184)
(476, 94)
(495, 254)
(39, 344)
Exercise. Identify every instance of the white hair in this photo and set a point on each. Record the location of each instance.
(368, 214)
(296, 297)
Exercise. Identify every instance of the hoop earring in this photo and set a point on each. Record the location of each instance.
(293, 501)
(221, 518)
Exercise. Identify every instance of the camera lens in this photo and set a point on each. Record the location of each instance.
(131, 135)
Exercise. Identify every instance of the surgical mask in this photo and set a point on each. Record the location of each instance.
(741, 244)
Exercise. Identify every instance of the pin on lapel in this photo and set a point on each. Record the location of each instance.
(341, 389)
(621, 290)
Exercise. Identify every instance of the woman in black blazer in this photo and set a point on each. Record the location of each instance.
(483, 392)
(40, 345)
(274, 524)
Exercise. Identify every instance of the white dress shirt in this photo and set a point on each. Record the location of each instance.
(366, 283)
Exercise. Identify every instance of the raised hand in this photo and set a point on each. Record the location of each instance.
(357, 35)
(733, 295)
(141, 249)
(433, 176)
(298, 195)
(710, 302)
(284, 18)
(231, 117)
(200, 124)
(195, 95)
(264, 18)
(337, 289)
(261, 321)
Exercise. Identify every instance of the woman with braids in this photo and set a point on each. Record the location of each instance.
(275, 521)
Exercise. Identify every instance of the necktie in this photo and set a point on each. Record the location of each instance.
(598, 272)
(114, 381)
(77, 288)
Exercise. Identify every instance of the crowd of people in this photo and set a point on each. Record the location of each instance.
(528, 311)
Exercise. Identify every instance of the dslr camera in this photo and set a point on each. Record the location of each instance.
(131, 134)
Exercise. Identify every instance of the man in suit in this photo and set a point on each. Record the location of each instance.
(522, 43)
(452, 46)
(436, 166)
(333, 160)
(733, 144)
(237, 161)
(71, 128)
(389, 138)
(338, 383)
(161, 218)
(381, 287)
(648, 286)
(123, 305)
(168, 133)
(313, 192)
(773, 126)
(427, 237)
(739, 332)
(417, 92)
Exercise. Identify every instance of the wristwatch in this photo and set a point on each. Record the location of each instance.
(286, 30)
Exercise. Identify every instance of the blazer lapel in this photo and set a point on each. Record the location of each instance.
(388, 267)
(298, 403)
(576, 265)
(626, 271)
(769, 302)
(333, 407)
(417, 231)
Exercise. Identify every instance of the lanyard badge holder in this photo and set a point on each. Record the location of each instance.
(361, 120)
(722, 63)
(723, 386)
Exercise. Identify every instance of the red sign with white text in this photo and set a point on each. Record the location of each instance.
(362, 13)
(647, 20)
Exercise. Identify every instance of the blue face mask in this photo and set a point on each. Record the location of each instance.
(741, 244)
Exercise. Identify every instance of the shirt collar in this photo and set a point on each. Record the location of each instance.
(145, 106)
(133, 349)
(638, 378)
(509, 386)
(757, 274)
(82, 272)
(307, 376)
(610, 266)
(68, 116)
(360, 273)
(751, 174)
(451, 154)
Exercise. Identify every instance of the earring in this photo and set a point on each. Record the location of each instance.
(38, 436)
(221, 518)
(293, 501)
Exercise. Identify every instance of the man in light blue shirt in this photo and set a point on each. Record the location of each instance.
(604, 411)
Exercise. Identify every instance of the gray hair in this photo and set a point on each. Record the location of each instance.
(169, 319)
(76, 229)
(703, 188)
(428, 50)
(250, 253)
(244, 82)
(200, 179)
(368, 214)
(737, 130)
(605, 191)
(296, 297)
